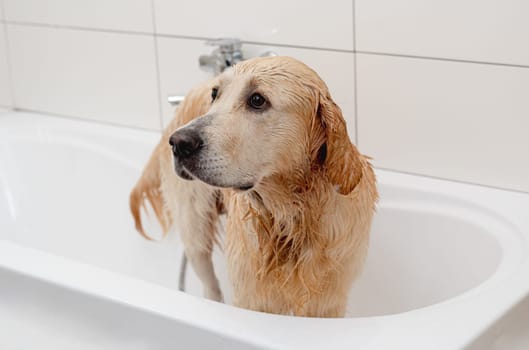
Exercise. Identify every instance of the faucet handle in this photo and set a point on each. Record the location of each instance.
(175, 100)
(226, 45)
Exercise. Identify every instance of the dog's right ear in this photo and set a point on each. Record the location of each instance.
(342, 161)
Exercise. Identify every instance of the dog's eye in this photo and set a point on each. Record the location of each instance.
(214, 93)
(256, 101)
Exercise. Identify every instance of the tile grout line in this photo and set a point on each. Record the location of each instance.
(157, 66)
(443, 59)
(78, 28)
(355, 72)
(294, 46)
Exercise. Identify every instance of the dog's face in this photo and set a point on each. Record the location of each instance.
(265, 118)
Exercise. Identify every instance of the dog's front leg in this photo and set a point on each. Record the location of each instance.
(198, 217)
(203, 267)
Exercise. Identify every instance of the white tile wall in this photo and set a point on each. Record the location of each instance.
(101, 76)
(479, 30)
(5, 92)
(179, 70)
(449, 119)
(462, 121)
(312, 23)
(130, 15)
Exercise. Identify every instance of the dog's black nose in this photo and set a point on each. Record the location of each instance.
(185, 143)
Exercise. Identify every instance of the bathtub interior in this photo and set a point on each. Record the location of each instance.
(416, 258)
(66, 195)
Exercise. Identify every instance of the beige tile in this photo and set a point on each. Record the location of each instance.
(491, 31)
(5, 89)
(309, 23)
(100, 76)
(129, 15)
(453, 120)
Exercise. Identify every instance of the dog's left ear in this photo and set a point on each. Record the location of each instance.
(342, 162)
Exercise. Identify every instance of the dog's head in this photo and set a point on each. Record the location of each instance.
(267, 116)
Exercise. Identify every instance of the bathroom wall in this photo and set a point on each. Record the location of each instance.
(5, 89)
(441, 87)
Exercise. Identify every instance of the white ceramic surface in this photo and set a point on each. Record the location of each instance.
(447, 119)
(447, 260)
(108, 77)
(129, 15)
(475, 30)
(311, 23)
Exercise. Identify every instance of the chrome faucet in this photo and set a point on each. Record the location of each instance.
(226, 54)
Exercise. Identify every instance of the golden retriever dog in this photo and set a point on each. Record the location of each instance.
(265, 143)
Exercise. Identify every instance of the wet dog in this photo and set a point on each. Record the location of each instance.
(265, 143)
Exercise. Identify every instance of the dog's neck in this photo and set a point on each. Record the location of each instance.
(285, 213)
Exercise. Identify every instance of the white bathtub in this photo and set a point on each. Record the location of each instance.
(448, 265)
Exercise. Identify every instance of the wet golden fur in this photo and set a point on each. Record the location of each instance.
(296, 240)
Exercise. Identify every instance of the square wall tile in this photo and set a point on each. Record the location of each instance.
(179, 71)
(93, 75)
(5, 88)
(309, 23)
(475, 30)
(454, 120)
(128, 15)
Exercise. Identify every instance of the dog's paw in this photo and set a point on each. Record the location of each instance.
(214, 294)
